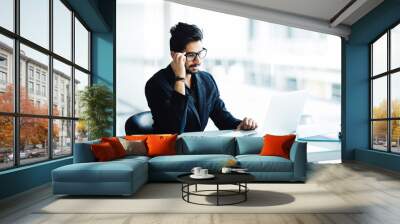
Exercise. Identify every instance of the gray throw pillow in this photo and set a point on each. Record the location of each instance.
(134, 147)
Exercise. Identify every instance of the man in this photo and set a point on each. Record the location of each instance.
(181, 97)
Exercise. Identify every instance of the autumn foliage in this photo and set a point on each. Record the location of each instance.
(33, 131)
(379, 128)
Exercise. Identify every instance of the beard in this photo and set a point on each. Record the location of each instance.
(193, 69)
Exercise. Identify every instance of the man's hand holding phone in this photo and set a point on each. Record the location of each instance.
(178, 64)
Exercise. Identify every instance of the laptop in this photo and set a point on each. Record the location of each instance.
(283, 115)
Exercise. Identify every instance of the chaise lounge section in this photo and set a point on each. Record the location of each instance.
(88, 177)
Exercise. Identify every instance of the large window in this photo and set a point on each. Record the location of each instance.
(40, 80)
(385, 94)
(250, 63)
(7, 14)
(34, 22)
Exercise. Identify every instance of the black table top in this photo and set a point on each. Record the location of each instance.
(220, 178)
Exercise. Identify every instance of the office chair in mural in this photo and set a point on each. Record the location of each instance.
(140, 123)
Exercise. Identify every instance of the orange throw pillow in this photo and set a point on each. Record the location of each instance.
(161, 145)
(103, 151)
(116, 145)
(277, 145)
(136, 137)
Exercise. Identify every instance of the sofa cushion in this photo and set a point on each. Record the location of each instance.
(136, 137)
(111, 171)
(185, 163)
(277, 145)
(248, 145)
(161, 145)
(132, 159)
(134, 147)
(196, 145)
(257, 163)
(116, 145)
(103, 152)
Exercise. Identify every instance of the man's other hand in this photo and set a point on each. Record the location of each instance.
(247, 124)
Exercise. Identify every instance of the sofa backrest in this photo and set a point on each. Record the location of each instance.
(194, 145)
(248, 145)
(191, 145)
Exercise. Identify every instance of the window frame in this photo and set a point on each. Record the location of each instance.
(3, 74)
(5, 58)
(388, 74)
(16, 114)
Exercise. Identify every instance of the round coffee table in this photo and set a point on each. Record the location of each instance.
(238, 179)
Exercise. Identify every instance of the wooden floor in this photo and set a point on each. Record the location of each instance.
(378, 188)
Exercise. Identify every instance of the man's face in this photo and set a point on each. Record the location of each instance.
(192, 66)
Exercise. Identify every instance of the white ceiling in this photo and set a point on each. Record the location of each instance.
(320, 9)
(315, 15)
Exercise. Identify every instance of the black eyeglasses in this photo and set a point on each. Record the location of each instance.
(190, 56)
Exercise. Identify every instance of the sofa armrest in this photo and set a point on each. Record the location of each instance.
(298, 155)
(83, 152)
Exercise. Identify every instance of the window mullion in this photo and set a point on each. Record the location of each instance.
(389, 106)
(16, 84)
(50, 87)
(371, 98)
(89, 56)
(73, 82)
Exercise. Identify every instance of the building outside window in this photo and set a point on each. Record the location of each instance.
(3, 61)
(37, 75)
(44, 77)
(30, 87)
(3, 78)
(55, 98)
(43, 90)
(34, 82)
(3, 72)
(30, 72)
(38, 89)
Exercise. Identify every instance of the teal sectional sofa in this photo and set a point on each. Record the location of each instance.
(125, 176)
